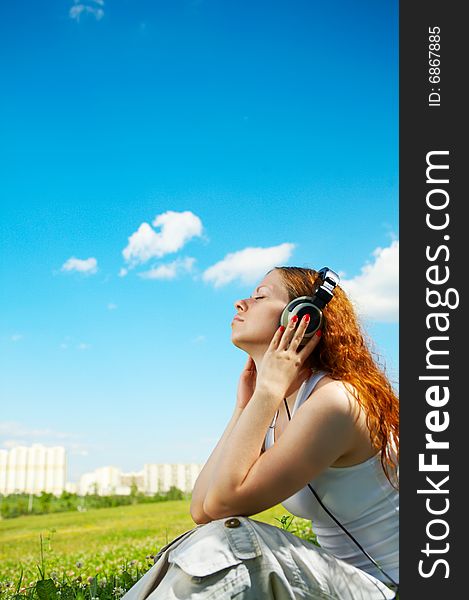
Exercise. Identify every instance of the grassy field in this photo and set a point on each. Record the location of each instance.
(98, 554)
(95, 554)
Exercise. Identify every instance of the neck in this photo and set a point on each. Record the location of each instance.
(292, 391)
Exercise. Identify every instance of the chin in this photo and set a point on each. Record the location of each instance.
(237, 342)
(249, 346)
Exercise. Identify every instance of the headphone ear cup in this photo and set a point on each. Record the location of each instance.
(300, 307)
(285, 316)
(315, 319)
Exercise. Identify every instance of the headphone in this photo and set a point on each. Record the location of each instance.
(312, 305)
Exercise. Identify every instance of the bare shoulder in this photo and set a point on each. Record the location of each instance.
(339, 395)
(339, 398)
(330, 408)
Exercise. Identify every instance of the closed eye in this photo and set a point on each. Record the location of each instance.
(258, 297)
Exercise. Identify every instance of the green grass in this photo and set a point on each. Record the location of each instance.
(99, 553)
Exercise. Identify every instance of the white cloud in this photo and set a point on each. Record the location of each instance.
(16, 430)
(169, 270)
(111, 306)
(8, 444)
(68, 342)
(88, 266)
(375, 292)
(13, 434)
(248, 265)
(177, 228)
(16, 337)
(80, 8)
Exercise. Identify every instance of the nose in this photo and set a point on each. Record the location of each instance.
(240, 305)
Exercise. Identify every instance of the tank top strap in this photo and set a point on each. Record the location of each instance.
(308, 387)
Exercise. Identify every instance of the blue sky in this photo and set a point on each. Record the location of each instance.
(150, 151)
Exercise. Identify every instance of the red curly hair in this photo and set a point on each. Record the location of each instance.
(344, 354)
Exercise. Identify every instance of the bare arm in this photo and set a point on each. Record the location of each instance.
(246, 481)
(203, 482)
(246, 386)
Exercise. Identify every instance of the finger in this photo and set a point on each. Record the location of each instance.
(310, 344)
(251, 365)
(277, 338)
(288, 334)
(299, 334)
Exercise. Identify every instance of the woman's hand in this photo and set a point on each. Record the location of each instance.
(246, 384)
(283, 361)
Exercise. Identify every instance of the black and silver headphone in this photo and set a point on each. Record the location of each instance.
(312, 305)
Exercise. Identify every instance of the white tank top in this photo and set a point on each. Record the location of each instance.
(361, 499)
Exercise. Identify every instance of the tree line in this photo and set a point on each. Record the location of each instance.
(14, 505)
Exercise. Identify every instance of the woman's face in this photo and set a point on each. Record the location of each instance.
(257, 317)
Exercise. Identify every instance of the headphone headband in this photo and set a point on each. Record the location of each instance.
(330, 280)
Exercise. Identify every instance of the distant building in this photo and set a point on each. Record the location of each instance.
(33, 469)
(104, 481)
(41, 468)
(153, 478)
(160, 477)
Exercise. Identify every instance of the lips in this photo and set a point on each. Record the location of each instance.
(236, 318)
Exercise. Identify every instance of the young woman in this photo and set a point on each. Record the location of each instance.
(315, 427)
